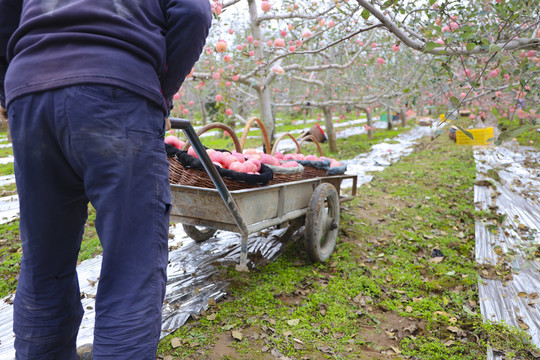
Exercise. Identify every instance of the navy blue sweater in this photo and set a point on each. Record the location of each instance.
(145, 46)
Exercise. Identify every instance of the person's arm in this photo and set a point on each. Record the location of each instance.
(188, 24)
(10, 13)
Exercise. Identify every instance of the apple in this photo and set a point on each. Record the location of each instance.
(229, 159)
(265, 6)
(221, 46)
(256, 162)
(250, 166)
(279, 42)
(312, 158)
(288, 157)
(237, 166)
(289, 164)
(269, 160)
(239, 156)
(174, 141)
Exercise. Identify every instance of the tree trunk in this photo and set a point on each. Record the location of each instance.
(370, 125)
(389, 117)
(204, 118)
(265, 105)
(403, 116)
(265, 98)
(330, 132)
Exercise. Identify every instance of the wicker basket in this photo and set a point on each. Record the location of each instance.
(200, 178)
(281, 174)
(248, 127)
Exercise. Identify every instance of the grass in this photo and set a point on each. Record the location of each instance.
(382, 293)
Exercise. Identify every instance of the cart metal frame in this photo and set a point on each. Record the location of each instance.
(250, 210)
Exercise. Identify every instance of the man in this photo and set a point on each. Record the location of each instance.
(87, 85)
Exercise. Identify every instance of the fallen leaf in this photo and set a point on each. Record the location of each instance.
(436, 260)
(449, 343)
(287, 333)
(533, 296)
(211, 317)
(176, 343)
(237, 335)
(409, 309)
(522, 294)
(293, 322)
(396, 350)
(454, 329)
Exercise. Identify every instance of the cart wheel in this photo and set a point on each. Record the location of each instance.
(322, 223)
(199, 233)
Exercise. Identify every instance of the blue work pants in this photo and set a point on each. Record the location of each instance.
(104, 145)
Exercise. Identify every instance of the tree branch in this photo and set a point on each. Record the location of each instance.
(291, 16)
(515, 44)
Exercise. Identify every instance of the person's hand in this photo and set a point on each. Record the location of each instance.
(167, 124)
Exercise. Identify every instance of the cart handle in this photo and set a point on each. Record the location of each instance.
(210, 168)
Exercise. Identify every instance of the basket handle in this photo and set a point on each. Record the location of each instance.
(216, 125)
(312, 138)
(274, 149)
(246, 130)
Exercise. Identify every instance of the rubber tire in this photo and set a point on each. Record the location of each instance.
(322, 223)
(199, 234)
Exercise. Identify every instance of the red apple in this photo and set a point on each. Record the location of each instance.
(237, 166)
(256, 162)
(250, 167)
(174, 141)
(229, 159)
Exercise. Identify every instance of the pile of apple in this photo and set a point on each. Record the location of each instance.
(279, 159)
(250, 161)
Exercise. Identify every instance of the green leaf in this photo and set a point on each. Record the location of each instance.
(388, 4)
(405, 91)
(470, 46)
(431, 2)
(365, 14)
(512, 133)
(454, 100)
(494, 48)
(468, 133)
(430, 46)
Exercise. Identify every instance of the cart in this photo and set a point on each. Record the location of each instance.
(203, 211)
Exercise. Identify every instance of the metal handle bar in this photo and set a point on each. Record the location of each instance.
(210, 168)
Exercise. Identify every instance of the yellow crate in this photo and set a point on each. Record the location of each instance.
(481, 137)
